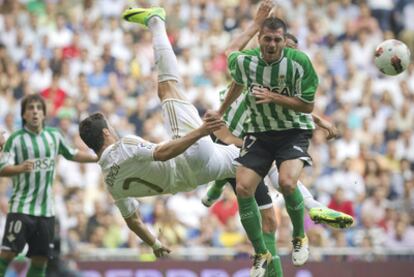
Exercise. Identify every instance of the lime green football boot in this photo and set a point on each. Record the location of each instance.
(331, 217)
(142, 16)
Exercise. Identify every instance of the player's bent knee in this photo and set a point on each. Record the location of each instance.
(287, 184)
(244, 190)
(287, 188)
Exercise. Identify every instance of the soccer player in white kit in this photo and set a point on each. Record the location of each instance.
(133, 167)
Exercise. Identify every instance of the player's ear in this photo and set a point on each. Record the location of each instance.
(106, 132)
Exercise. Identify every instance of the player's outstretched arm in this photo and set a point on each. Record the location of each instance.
(173, 148)
(85, 157)
(136, 225)
(240, 41)
(227, 137)
(328, 126)
(233, 93)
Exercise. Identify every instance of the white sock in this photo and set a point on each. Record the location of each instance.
(308, 199)
(165, 58)
(273, 176)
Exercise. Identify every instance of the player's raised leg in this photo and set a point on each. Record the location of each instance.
(214, 192)
(180, 116)
(318, 212)
(165, 59)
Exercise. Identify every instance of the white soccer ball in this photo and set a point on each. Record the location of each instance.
(392, 57)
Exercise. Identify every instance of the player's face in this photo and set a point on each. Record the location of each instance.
(34, 116)
(271, 44)
(112, 131)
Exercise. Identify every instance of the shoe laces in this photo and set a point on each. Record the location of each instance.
(258, 260)
(297, 244)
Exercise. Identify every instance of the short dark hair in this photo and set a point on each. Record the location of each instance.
(90, 131)
(29, 99)
(274, 23)
(292, 37)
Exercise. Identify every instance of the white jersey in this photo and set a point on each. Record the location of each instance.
(130, 170)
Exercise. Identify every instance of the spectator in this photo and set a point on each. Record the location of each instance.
(339, 203)
(54, 95)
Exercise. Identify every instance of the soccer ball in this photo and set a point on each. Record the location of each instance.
(392, 57)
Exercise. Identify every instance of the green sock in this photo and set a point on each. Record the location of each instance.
(216, 189)
(3, 266)
(275, 268)
(251, 220)
(36, 271)
(295, 209)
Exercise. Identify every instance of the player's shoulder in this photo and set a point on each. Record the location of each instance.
(131, 139)
(52, 130)
(247, 52)
(251, 52)
(296, 55)
(16, 134)
(13, 139)
(132, 143)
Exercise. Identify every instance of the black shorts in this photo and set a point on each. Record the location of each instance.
(263, 199)
(37, 231)
(262, 196)
(261, 149)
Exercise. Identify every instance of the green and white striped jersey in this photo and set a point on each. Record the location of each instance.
(235, 115)
(293, 75)
(32, 192)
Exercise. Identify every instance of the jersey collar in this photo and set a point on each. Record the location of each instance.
(103, 158)
(275, 62)
(31, 132)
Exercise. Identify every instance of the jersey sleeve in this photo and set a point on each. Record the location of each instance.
(138, 148)
(308, 82)
(234, 64)
(7, 157)
(127, 206)
(64, 148)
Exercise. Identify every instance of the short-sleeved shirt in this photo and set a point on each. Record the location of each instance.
(292, 75)
(32, 191)
(130, 170)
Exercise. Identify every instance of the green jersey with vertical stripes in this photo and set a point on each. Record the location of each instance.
(235, 115)
(292, 75)
(32, 191)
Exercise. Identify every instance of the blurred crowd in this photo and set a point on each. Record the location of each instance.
(82, 58)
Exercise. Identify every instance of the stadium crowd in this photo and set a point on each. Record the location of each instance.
(81, 58)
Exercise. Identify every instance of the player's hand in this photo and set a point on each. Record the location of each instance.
(211, 122)
(329, 127)
(263, 95)
(27, 166)
(263, 12)
(162, 251)
(211, 115)
(159, 249)
(332, 131)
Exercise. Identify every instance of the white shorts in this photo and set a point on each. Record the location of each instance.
(180, 117)
(208, 161)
